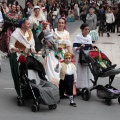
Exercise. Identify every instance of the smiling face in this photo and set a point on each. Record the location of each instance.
(61, 24)
(18, 8)
(37, 11)
(13, 8)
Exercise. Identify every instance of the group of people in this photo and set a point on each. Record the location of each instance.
(34, 34)
(64, 74)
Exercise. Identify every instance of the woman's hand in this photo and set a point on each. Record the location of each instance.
(83, 45)
(32, 50)
(16, 50)
(78, 48)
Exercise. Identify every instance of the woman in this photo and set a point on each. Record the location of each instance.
(36, 19)
(91, 19)
(21, 40)
(83, 72)
(20, 11)
(50, 61)
(62, 36)
(110, 19)
(11, 21)
(5, 8)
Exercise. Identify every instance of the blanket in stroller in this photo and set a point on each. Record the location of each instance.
(48, 92)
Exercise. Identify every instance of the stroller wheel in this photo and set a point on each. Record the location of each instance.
(119, 99)
(34, 108)
(50, 107)
(108, 101)
(20, 102)
(54, 106)
(86, 94)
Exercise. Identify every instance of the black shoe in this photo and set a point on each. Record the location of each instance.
(73, 104)
(119, 35)
(108, 35)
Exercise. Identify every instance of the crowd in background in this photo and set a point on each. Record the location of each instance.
(92, 12)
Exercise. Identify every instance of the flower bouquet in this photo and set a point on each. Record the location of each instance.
(59, 54)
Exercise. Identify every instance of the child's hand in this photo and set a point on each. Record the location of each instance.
(57, 66)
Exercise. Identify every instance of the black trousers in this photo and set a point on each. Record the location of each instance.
(14, 70)
(109, 27)
(66, 85)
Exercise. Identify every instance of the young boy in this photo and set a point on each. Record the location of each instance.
(67, 77)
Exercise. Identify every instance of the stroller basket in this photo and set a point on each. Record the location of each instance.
(104, 92)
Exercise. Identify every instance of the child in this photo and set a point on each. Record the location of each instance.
(67, 77)
(49, 42)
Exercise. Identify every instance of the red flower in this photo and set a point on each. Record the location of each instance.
(59, 48)
(22, 59)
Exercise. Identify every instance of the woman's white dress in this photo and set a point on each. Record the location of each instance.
(52, 61)
(83, 72)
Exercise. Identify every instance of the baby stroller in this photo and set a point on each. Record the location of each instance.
(34, 85)
(100, 66)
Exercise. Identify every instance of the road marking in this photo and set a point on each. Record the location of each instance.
(9, 88)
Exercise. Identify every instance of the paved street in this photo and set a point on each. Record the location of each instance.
(95, 109)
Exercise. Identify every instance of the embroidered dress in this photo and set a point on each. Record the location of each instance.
(11, 21)
(83, 72)
(63, 39)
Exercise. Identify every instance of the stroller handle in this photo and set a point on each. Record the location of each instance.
(88, 46)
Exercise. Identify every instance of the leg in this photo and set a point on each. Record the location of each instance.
(14, 71)
(62, 88)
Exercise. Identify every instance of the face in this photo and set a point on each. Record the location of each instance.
(9, 6)
(85, 31)
(109, 10)
(4, 5)
(67, 60)
(61, 24)
(18, 7)
(91, 11)
(26, 25)
(13, 8)
(37, 11)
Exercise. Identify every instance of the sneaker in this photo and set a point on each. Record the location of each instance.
(73, 104)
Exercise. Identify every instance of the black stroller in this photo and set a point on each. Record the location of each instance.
(37, 88)
(100, 66)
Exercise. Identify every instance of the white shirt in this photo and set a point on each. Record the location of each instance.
(1, 17)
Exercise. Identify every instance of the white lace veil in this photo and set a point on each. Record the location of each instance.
(41, 14)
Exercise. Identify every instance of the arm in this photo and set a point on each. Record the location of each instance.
(113, 18)
(75, 74)
(12, 47)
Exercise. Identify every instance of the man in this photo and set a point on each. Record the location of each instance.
(28, 9)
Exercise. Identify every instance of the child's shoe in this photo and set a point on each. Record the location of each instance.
(73, 104)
